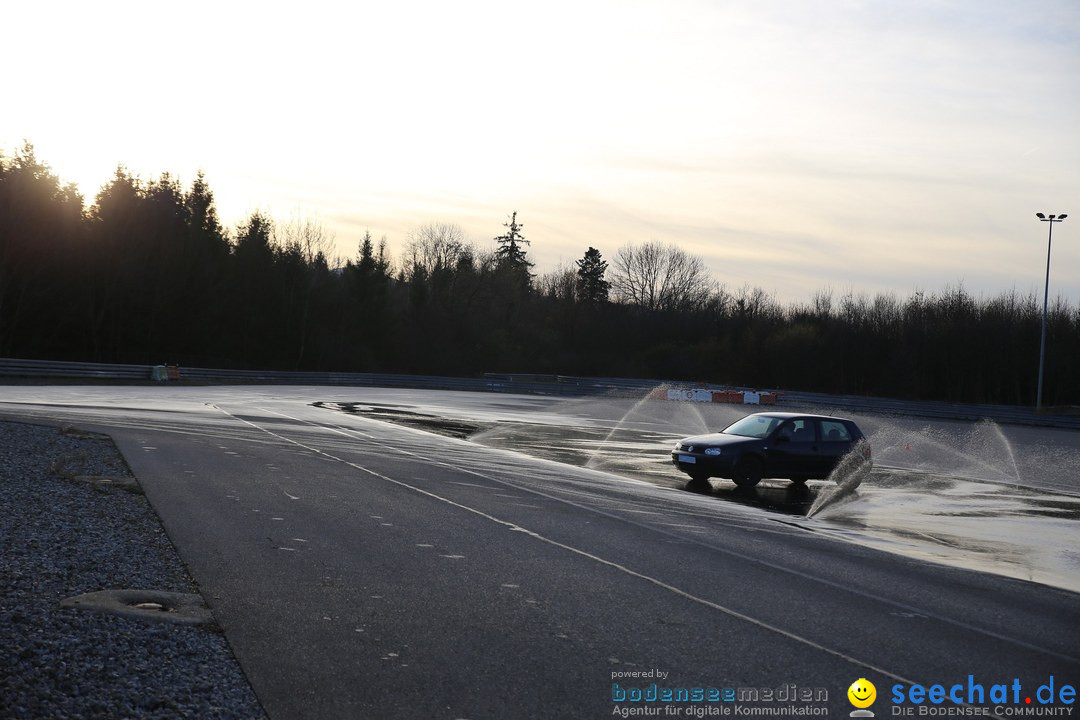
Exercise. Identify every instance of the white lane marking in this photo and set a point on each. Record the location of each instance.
(291, 497)
(577, 551)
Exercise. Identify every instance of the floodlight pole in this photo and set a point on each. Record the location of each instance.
(1046, 300)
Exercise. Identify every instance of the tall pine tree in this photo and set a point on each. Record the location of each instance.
(592, 286)
(510, 255)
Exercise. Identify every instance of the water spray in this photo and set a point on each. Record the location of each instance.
(847, 476)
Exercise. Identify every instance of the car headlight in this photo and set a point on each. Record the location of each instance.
(712, 451)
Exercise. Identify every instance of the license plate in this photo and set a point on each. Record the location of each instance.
(689, 459)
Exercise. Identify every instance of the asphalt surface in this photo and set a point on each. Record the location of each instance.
(364, 569)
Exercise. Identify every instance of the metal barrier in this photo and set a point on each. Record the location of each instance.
(531, 384)
(75, 370)
(549, 385)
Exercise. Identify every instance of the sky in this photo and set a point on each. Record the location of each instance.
(794, 145)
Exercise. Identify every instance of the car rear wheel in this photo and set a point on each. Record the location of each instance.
(748, 472)
(799, 480)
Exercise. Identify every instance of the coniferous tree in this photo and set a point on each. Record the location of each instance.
(119, 268)
(368, 284)
(591, 282)
(258, 296)
(204, 264)
(41, 222)
(511, 255)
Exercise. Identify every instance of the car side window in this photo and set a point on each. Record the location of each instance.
(804, 431)
(832, 431)
(800, 431)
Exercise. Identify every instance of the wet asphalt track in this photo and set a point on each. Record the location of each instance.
(365, 569)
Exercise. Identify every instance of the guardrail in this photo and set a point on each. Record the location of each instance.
(532, 384)
(75, 370)
(560, 385)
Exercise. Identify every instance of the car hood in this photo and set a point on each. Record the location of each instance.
(716, 440)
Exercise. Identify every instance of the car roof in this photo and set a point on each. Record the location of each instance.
(789, 415)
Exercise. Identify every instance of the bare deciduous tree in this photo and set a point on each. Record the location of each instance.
(310, 239)
(560, 284)
(660, 277)
(435, 247)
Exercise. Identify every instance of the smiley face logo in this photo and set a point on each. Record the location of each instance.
(862, 693)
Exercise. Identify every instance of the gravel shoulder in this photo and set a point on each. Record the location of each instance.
(63, 536)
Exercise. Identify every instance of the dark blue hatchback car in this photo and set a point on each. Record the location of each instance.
(772, 445)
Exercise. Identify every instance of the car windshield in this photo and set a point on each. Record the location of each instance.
(755, 426)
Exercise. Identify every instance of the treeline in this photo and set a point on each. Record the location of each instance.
(147, 274)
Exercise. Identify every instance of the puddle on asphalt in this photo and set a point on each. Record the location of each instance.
(460, 429)
(959, 499)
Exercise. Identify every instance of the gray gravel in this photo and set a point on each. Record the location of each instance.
(61, 537)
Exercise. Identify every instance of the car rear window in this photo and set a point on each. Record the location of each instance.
(833, 431)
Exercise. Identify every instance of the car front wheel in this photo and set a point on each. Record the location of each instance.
(748, 472)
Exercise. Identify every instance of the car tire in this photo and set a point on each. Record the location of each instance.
(798, 480)
(699, 481)
(748, 472)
